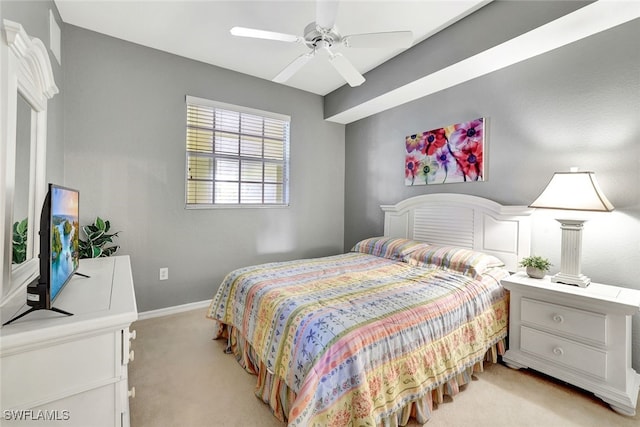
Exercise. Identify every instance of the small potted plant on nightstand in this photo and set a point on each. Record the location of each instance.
(536, 266)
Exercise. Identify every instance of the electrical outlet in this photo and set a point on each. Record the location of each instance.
(164, 273)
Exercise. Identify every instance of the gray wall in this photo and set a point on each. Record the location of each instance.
(125, 152)
(575, 106)
(34, 17)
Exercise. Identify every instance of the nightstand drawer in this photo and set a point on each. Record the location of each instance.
(580, 324)
(565, 352)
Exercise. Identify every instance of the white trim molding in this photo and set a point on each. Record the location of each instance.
(34, 60)
(176, 309)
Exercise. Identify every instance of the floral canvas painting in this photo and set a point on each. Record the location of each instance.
(448, 154)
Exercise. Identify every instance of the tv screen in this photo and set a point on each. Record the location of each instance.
(64, 237)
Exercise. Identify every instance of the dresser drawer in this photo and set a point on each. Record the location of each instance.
(576, 323)
(51, 372)
(583, 358)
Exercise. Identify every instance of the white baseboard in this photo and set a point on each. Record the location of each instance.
(173, 310)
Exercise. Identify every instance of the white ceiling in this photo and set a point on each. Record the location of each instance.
(200, 30)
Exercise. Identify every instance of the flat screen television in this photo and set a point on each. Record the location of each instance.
(59, 239)
(59, 248)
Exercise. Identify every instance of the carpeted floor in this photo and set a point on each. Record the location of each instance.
(183, 378)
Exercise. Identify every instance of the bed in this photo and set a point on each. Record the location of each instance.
(380, 334)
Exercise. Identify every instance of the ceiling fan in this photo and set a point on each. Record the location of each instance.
(321, 35)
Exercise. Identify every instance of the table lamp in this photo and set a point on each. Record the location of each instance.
(572, 191)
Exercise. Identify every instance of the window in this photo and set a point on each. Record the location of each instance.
(236, 156)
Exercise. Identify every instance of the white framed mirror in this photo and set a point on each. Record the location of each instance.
(27, 83)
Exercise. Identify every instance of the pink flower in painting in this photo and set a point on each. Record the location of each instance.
(411, 167)
(445, 160)
(443, 157)
(466, 133)
(433, 140)
(413, 143)
(469, 160)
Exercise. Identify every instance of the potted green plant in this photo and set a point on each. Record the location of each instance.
(97, 239)
(536, 266)
(19, 242)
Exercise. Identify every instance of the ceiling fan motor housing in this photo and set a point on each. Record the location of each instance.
(318, 37)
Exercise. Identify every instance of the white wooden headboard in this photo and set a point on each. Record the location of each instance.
(462, 220)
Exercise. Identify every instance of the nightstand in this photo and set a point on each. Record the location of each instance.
(578, 335)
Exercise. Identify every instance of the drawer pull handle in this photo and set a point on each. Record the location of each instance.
(558, 318)
(558, 351)
(132, 356)
(132, 393)
(133, 334)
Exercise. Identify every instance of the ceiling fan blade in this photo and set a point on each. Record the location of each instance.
(346, 69)
(326, 13)
(293, 67)
(397, 39)
(262, 34)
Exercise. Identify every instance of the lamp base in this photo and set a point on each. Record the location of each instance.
(570, 279)
(571, 254)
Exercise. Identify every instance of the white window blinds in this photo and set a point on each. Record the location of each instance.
(235, 155)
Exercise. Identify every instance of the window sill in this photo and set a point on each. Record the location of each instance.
(235, 206)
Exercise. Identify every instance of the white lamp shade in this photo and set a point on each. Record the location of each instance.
(573, 191)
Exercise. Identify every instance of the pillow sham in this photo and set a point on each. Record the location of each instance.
(387, 247)
(462, 260)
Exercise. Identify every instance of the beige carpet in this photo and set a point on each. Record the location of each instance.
(183, 378)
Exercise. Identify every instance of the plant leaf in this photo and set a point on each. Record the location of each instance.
(96, 251)
(100, 224)
(95, 235)
(110, 250)
(22, 226)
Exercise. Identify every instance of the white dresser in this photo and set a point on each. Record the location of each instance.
(72, 370)
(579, 335)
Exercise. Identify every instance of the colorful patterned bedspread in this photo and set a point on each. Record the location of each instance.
(356, 336)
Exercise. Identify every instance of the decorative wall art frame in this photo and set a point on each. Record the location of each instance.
(445, 155)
